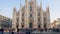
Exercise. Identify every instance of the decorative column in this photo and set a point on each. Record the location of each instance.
(35, 24)
(14, 19)
(26, 24)
(47, 17)
(41, 14)
(20, 16)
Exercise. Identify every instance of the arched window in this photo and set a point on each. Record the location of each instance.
(38, 14)
(38, 25)
(30, 15)
(22, 14)
(38, 19)
(17, 19)
(30, 8)
(44, 22)
(22, 19)
(22, 26)
(30, 25)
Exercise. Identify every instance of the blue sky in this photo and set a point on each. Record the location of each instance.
(6, 7)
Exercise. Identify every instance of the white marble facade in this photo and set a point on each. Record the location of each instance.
(31, 16)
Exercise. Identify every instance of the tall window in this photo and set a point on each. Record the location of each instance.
(38, 25)
(22, 14)
(30, 8)
(17, 23)
(22, 26)
(38, 14)
(38, 20)
(44, 23)
(22, 20)
(17, 19)
(30, 25)
(30, 15)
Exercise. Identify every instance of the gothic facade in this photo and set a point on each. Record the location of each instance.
(31, 16)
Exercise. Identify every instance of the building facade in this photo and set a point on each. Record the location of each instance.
(56, 23)
(31, 16)
(5, 22)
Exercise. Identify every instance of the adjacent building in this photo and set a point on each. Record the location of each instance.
(56, 23)
(5, 22)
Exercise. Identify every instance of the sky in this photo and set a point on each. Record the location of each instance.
(6, 7)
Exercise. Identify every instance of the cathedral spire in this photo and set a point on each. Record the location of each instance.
(14, 18)
(35, 25)
(41, 4)
(48, 16)
(31, 0)
(20, 6)
(26, 14)
(47, 8)
(20, 16)
(14, 9)
(41, 13)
